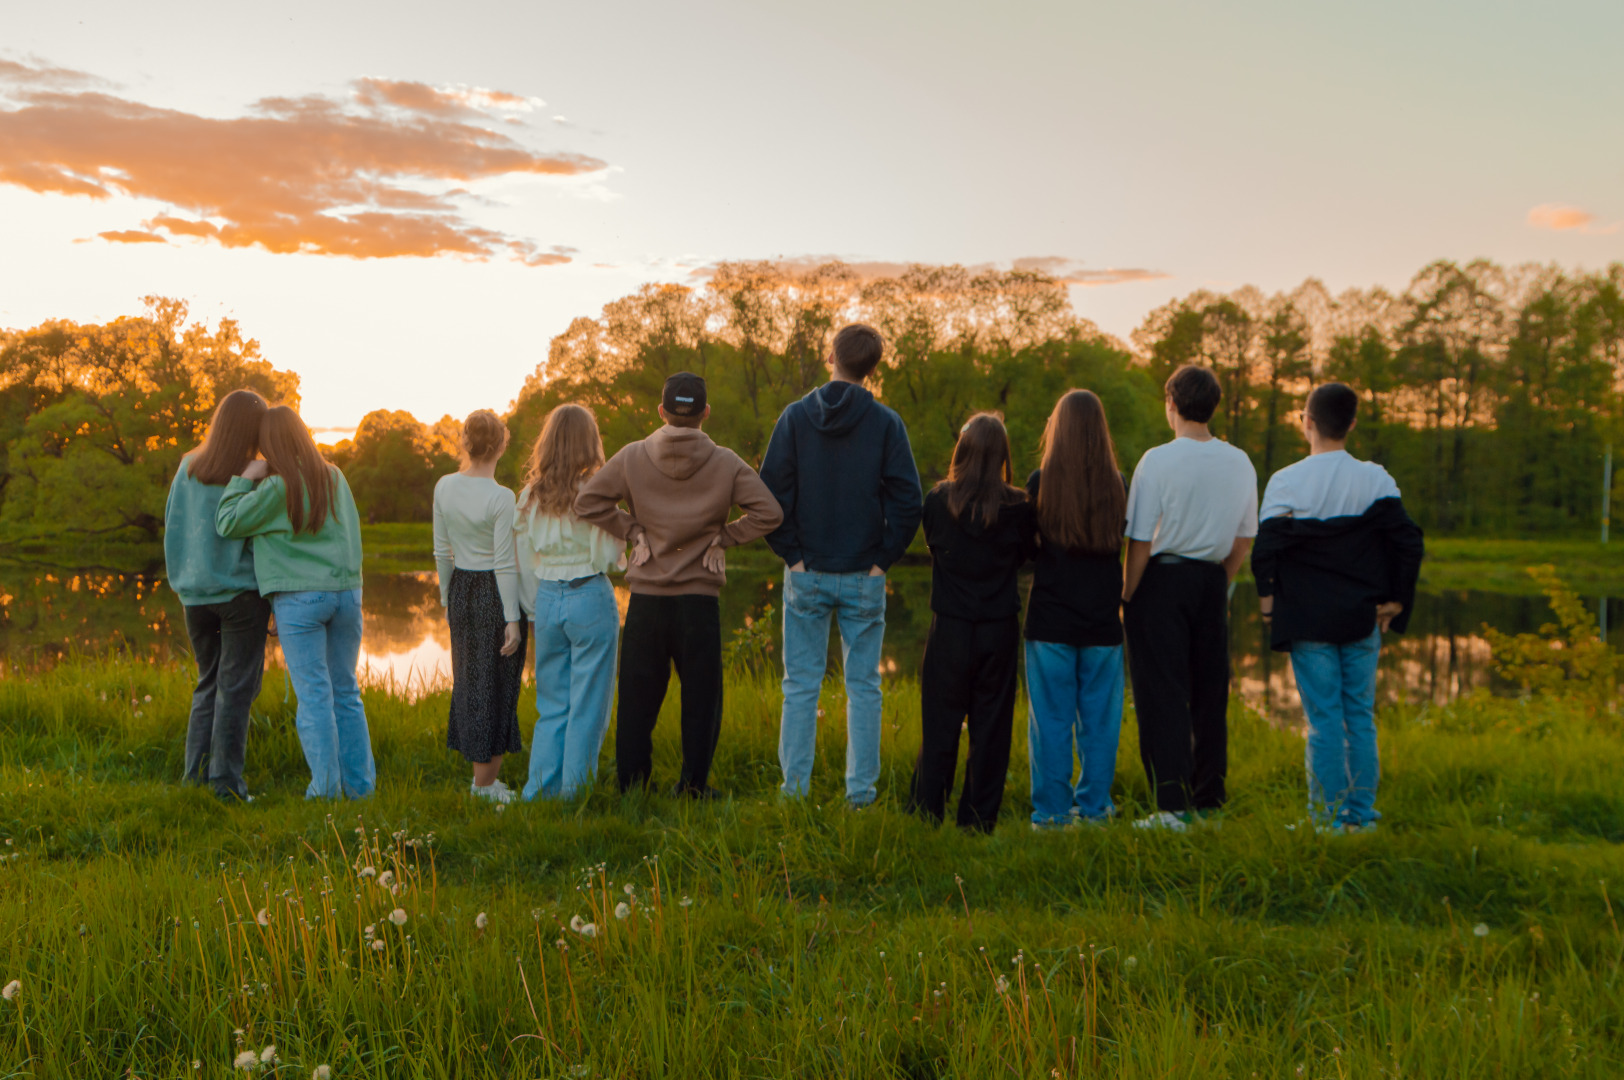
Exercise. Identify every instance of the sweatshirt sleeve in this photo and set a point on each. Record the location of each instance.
(1406, 546)
(598, 501)
(246, 510)
(444, 563)
(505, 561)
(761, 511)
(1271, 537)
(778, 472)
(900, 496)
(524, 562)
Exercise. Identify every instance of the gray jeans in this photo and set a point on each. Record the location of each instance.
(228, 641)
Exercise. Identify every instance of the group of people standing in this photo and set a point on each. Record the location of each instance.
(258, 523)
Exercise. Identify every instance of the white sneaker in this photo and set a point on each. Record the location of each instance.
(1163, 819)
(496, 792)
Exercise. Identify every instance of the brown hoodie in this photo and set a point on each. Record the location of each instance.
(679, 487)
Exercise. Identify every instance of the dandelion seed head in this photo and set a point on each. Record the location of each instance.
(480, 921)
(622, 910)
(367, 871)
(629, 889)
(263, 917)
(267, 1056)
(322, 1072)
(1003, 985)
(13, 988)
(398, 917)
(686, 901)
(386, 879)
(1481, 930)
(246, 1061)
(576, 922)
(589, 930)
(1131, 962)
(377, 946)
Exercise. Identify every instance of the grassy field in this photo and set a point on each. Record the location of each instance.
(157, 933)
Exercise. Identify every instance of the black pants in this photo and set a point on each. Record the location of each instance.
(228, 641)
(968, 672)
(1178, 653)
(661, 631)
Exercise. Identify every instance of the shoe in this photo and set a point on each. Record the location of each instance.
(1164, 819)
(496, 792)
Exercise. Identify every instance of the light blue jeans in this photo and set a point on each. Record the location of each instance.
(1074, 698)
(1338, 686)
(857, 601)
(577, 629)
(321, 641)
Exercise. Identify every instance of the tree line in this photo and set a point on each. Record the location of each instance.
(1490, 393)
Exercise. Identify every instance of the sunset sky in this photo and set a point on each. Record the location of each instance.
(404, 202)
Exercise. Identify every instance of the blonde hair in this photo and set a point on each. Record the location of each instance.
(568, 450)
(484, 436)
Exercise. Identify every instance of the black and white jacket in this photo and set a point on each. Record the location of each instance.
(1334, 542)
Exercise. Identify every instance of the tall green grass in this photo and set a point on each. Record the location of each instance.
(151, 927)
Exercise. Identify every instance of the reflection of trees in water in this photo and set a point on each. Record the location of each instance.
(398, 611)
(48, 612)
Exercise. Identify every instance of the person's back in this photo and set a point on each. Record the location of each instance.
(1336, 564)
(840, 466)
(678, 487)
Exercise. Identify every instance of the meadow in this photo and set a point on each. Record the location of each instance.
(155, 932)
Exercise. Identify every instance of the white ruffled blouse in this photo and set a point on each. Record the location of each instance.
(554, 548)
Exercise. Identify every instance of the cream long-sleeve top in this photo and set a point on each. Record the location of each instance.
(559, 548)
(473, 530)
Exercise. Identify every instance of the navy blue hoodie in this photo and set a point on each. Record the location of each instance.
(840, 465)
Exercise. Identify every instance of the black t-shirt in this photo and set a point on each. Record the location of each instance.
(973, 567)
(1076, 599)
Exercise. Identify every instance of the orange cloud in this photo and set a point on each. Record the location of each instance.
(373, 175)
(1559, 217)
(132, 236)
(1072, 272)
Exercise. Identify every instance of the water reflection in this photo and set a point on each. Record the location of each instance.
(48, 612)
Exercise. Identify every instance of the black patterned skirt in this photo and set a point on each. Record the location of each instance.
(484, 683)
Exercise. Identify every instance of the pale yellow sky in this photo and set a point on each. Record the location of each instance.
(1211, 144)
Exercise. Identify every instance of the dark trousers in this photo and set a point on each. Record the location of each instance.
(968, 673)
(1178, 653)
(661, 631)
(228, 641)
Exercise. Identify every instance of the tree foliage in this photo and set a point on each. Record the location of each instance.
(393, 462)
(95, 418)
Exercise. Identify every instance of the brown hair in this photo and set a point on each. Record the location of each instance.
(979, 477)
(1194, 392)
(484, 436)
(857, 350)
(568, 450)
(232, 440)
(292, 454)
(1082, 505)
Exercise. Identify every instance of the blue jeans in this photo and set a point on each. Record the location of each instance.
(1074, 697)
(857, 600)
(1338, 687)
(577, 629)
(321, 642)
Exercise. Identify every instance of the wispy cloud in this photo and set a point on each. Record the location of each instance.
(1067, 271)
(132, 236)
(1563, 218)
(375, 173)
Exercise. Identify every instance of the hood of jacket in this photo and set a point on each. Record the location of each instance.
(837, 407)
(679, 452)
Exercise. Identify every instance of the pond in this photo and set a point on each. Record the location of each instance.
(48, 612)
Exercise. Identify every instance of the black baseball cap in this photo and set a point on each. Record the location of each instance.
(684, 394)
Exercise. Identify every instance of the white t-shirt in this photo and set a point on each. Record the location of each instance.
(1193, 497)
(473, 529)
(1329, 485)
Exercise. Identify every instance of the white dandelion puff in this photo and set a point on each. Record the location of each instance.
(263, 917)
(398, 916)
(147, 698)
(267, 1056)
(322, 1072)
(1481, 930)
(622, 911)
(686, 901)
(367, 871)
(589, 930)
(373, 929)
(630, 889)
(480, 921)
(1003, 985)
(387, 878)
(13, 988)
(246, 1061)
(576, 922)
(1131, 962)
(377, 946)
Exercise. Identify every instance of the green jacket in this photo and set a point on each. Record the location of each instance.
(202, 566)
(285, 561)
